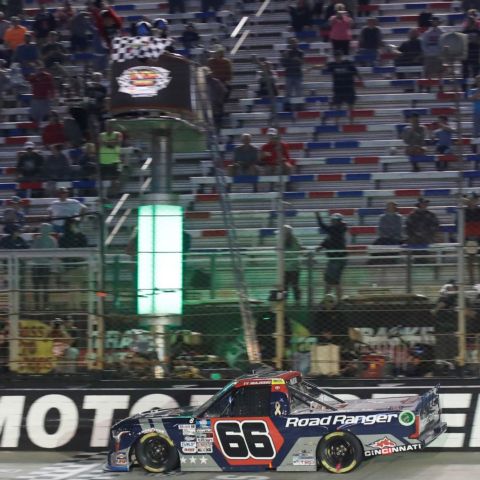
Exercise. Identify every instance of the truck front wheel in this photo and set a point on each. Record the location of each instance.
(156, 453)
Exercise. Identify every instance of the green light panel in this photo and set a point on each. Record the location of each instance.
(160, 260)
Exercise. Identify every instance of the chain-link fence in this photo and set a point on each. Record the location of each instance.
(398, 316)
(50, 278)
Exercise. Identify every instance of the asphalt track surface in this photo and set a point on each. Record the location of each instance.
(88, 466)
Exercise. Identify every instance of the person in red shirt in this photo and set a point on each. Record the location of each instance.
(53, 133)
(109, 24)
(43, 91)
(221, 68)
(269, 155)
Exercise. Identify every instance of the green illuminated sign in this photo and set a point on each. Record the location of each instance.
(159, 260)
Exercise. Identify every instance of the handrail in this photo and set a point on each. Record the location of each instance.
(121, 202)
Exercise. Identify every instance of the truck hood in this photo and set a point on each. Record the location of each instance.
(165, 412)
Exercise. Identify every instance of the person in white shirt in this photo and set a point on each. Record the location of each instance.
(64, 208)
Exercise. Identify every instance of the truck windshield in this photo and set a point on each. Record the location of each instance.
(211, 401)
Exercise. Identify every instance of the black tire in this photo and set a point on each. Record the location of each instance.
(156, 453)
(339, 452)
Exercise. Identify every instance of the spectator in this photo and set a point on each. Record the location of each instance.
(27, 55)
(176, 6)
(190, 38)
(269, 155)
(343, 74)
(13, 8)
(328, 12)
(43, 92)
(72, 237)
(246, 158)
(267, 79)
(160, 30)
(142, 28)
(469, 4)
(410, 52)
(217, 93)
(414, 137)
(63, 16)
(301, 16)
(363, 8)
(317, 8)
(29, 163)
(4, 26)
(96, 95)
(474, 97)
(432, 51)
(87, 161)
(72, 131)
(110, 152)
(390, 226)
(60, 343)
(72, 353)
(64, 208)
(292, 61)
(341, 29)
(57, 165)
(446, 318)
(43, 23)
(53, 52)
(221, 68)
(41, 269)
(214, 5)
(18, 80)
(471, 64)
(13, 240)
(82, 29)
(370, 42)
(108, 23)
(472, 232)
(53, 133)
(422, 224)
(424, 21)
(443, 136)
(14, 36)
(5, 81)
(335, 245)
(292, 263)
(13, 215)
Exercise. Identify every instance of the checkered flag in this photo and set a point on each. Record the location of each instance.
(128, 48)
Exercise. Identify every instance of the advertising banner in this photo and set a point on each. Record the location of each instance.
(36, 348)
(80, 418)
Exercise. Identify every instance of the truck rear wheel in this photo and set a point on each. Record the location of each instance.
(339, 452)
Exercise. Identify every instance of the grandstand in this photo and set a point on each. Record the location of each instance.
(349, 165)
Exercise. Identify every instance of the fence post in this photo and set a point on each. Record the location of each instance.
(213, 274)
(13, 310)
(409, 271)
(310, 292)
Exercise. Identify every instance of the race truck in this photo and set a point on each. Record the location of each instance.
(275, 421)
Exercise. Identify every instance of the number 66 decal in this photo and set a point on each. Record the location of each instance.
(247, 439)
